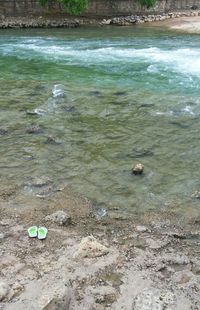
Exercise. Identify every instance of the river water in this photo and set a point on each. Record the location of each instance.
(81, 106)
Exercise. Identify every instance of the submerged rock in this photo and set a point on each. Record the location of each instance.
(138, 169)
(196, 195)
(68, 109)
(96, 93)
(120, 93)
(90, 247)
(139, 152)
(40, 181)
(59, 217)
(3, 131)
(58, 91)
(38, 112)
(34, 129)
(51, 140)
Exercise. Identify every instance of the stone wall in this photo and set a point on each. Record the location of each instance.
(95, 8)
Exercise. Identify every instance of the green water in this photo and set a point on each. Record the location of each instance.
(110, 97)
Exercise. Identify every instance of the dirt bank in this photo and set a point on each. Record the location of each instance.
(149, 261)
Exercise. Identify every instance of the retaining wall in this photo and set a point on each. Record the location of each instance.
(95, 8)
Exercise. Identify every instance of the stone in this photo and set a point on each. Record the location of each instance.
(56, 299)
(38, 112)
(178, 259)
(51, 140)
(106, 21)
(138, 169)
(194, 7)
(3, 132)
(182, 277)
(196, 195)
(40, 181)
(60, 218)
(58, 91)
(34, 129)
(141, 228)
(104, 294)
(153, 299)
(90, 248)
(2, 236)
(4, 290)
(156, 244)
(68, 109)
(15, 291)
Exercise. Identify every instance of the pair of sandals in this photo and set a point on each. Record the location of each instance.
(39, 232)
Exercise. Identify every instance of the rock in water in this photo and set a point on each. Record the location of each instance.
(138, 169)
(58, 91)
(196, 195)
(90, 247)
(59, 217)
(34, 129)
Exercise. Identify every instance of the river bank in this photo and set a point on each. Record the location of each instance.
(183, 24)
(120, 261)
(176, 20)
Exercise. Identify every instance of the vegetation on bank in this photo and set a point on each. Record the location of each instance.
(75, 7)
(147, 3)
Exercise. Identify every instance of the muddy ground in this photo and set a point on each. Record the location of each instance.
(146, 262)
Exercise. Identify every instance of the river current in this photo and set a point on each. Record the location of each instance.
(82, 106)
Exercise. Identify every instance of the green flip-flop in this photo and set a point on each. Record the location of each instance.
(33, 231)
(42, 233)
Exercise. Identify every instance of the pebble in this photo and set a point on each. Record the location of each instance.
(138, 169)
(90, 247)
(59, 217)
(196, 195)
(34, 129)
(51, 140)
(141, 228)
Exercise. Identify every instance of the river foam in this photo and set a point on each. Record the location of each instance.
(89, 53)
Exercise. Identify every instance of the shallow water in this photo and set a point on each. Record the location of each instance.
(109, 98)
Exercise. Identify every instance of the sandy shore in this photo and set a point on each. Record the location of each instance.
(184, 24)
